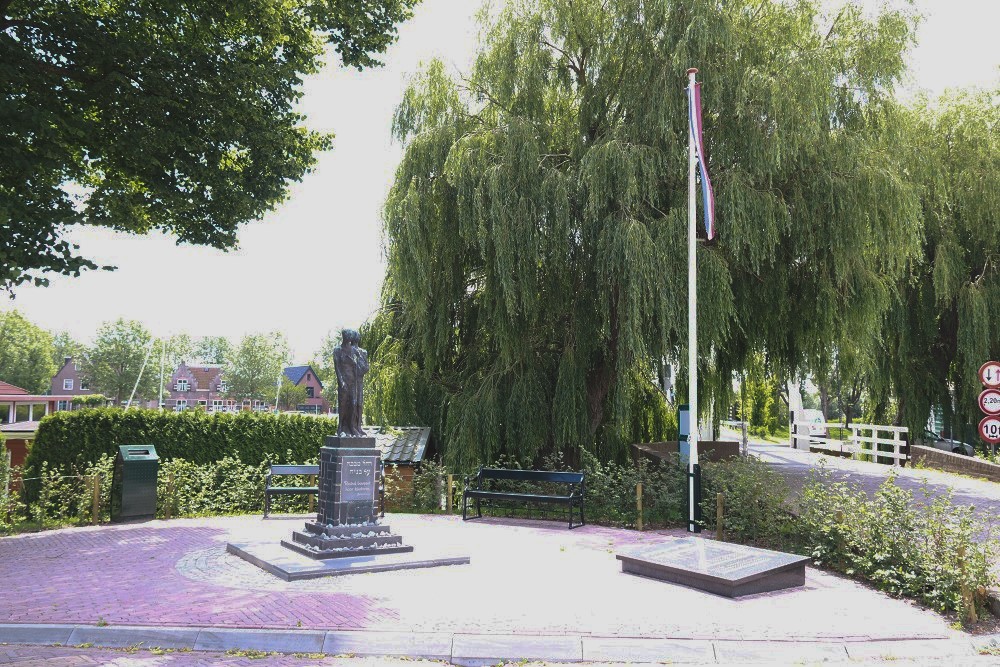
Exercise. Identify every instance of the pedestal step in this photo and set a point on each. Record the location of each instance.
(312, 552)
(330, 544)
(346, 531)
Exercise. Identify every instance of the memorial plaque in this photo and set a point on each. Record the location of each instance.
(357, 478)
(725, 569)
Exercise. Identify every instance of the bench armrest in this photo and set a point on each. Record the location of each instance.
(267, 481)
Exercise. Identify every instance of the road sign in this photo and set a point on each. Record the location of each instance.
(989, 374)
(989, 401)
(989, 429)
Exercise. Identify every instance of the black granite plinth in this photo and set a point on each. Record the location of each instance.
(346, 524)
(730, 570)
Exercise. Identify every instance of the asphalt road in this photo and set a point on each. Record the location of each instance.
(795, 465)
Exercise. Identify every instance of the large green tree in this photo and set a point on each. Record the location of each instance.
(252, 369)
(113, 363)
(212, 349)
(176, 115)
(536, 228)
(25, 353)
(946, 322)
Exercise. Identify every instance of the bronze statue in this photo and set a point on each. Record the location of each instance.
(351, 363)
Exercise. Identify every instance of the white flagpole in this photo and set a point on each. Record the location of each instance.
(692, 315)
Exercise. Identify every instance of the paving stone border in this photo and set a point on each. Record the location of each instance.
(483, 649)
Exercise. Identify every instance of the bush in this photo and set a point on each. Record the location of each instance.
(932, 551)
(84, 436)
(755, 501)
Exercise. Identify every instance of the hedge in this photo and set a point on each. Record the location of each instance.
(82, 437)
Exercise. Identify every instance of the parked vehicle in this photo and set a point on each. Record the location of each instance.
(932, 439)
(817, 423)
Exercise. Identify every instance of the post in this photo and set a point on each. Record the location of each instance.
(451, 490)
(693, 468)
(720, 514)
(312, 498)
(968, 598)
(168, 508)
(96, 502)
(792, 430)
(163, 360)
(856, 444)
(638, 506)
(895, 448)
(746, 440)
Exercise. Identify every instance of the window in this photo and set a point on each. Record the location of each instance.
(309, 376)
(182, 385)
(63, 405)
(68, 384)
(181, 405)
(84, 385)
(310, 392)
(216, 405)
(202, 402)
(223, 386)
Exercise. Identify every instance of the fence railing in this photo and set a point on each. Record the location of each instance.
(857, 440)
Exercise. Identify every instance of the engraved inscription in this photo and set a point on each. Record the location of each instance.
(728, 561)
(357, 478)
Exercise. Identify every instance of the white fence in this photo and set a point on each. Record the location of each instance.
(859, 440)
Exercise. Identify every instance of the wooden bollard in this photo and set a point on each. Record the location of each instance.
(168, 506)
(96, 500)
(968, 598)
(451, 491)
(720, 515)
(638, 506)
(312, 498)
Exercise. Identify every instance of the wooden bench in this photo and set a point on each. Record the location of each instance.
(282, 471)
(311, 470)
(572, 498)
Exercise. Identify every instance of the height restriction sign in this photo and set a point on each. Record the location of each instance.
(989, 401)
(989, 374)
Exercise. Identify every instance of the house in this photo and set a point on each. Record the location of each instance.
(18, 405)
(68, 382)
(305, 376)
(203, 385)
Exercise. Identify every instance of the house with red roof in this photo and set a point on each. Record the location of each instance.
(203, 385)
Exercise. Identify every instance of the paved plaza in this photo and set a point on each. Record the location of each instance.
(533, 590)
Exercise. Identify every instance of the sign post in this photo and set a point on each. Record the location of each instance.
(989, 403)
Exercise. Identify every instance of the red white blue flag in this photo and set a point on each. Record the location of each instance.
(708, 195)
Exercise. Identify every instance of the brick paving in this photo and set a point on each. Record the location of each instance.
(58, 656)
(526, 577)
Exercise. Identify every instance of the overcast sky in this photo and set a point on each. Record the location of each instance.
(315, 264)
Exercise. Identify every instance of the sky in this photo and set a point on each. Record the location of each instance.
(315, 264)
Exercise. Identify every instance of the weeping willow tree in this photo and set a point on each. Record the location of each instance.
(536, 228)
(945, 323)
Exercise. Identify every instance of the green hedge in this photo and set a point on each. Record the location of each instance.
(82, 437)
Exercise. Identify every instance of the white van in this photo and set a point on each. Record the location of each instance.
(816, 421)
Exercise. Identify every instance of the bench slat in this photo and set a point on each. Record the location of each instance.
(532, 475)
(295, 470)
(521, 496)
(293, 489)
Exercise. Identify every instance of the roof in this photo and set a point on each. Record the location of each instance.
(205, 375)
(296, 373)
(7, 389)
(403, 444)
(20, 427)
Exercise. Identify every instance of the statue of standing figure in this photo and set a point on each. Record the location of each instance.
(351, 363)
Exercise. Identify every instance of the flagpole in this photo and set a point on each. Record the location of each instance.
(693, 467)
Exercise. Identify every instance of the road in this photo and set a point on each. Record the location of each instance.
(795, 465)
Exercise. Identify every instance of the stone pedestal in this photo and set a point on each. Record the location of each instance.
(346, 524)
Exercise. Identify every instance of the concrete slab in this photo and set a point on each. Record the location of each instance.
(730, 570)
(771, 652)
(283, 641)
(910, 649)
(32, 633)
(471, 648)
(631, 649)
(291, 566)
(430, 645)
(118, 636)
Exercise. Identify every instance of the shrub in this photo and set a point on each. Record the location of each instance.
(84, 436)
(755, 501)
(930, 550)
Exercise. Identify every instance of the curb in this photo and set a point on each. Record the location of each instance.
(468, 649)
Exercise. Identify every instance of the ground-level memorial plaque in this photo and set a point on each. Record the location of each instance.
(345, 537)
(730, 570)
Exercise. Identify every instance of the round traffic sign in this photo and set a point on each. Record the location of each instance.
(989, 374)
(989, 429)
(989, 401)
